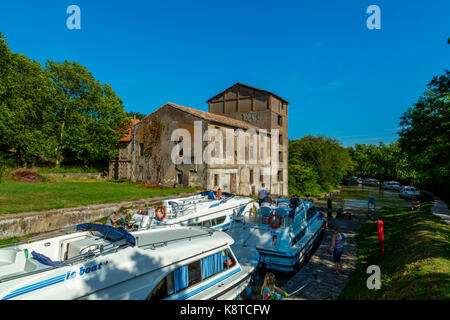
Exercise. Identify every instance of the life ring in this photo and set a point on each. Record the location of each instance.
(157, 213)
(275, 226)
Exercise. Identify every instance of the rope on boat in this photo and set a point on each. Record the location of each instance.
(304, 285)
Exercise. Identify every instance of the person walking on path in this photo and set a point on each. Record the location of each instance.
(262, 194)
(337, 247)
(269, 290)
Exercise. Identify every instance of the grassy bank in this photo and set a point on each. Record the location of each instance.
(416, 263)
(18, 197)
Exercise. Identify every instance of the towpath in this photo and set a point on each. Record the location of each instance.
(439, 208)
(328, 285)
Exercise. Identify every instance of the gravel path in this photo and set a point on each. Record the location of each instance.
(328, 285)
(440, 208)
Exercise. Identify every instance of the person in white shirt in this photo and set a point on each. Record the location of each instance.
(262, 193)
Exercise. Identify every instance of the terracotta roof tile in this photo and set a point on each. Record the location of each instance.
(214, 117)
(128, 136)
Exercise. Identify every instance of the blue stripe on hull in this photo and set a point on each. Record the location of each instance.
(35, 286)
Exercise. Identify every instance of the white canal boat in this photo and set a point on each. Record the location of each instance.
(101, 262)
(284, 234)
(197, 210)
(409, 192)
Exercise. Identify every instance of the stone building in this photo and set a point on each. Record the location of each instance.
(264, 110)
(171, 145)
(121, 167)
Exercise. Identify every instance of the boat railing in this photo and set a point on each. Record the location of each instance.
(259, 219)
(153, 245)
(98, 251)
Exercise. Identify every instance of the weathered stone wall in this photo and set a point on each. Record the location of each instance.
(17, 225)
(154, 164)
(79, 175)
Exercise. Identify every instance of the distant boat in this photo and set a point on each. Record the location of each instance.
(353, 181)
(409, 192)
(371, 182)
(391, 185)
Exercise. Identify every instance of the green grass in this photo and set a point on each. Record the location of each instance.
(416, 263)
(18, 197)
(46, 170)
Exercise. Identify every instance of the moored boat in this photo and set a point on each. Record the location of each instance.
(284, 233)
(196, 210)
(371, 182)
(409, 192)
(102, 262)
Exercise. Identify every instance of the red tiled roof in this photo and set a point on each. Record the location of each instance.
(128, 136)
(214, 117)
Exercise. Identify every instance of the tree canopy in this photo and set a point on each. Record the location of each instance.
(59, 113)
(317, 164)
(425, 137)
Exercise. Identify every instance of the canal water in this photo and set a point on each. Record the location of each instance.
(353, 196)
(357, 196)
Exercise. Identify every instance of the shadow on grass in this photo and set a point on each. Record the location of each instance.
(416, 262)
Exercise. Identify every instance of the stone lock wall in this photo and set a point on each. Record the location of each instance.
(21, 224)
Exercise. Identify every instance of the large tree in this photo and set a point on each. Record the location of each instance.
(26, 100)
(88, 116)
(425, 136)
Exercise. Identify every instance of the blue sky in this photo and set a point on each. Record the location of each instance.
(341, 79)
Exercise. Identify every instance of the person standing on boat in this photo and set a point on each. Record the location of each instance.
(262, 194)
(322, 216)
(337, 247)
(269, 290)
(113, 218)
(219, 192)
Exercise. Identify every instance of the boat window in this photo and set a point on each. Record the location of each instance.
(163, 289)
(228, 259)
(298, 236)
(220, 220)
(206, 223)
(311, 212)
(195, 274)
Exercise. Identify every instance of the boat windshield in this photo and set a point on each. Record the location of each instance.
(262, 216)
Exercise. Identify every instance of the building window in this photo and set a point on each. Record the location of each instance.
(216, 180)
(280, 139)
(280, 156)
(180, 177)
(141, 149)
(280, 175)
(280, 120)
(251, 176)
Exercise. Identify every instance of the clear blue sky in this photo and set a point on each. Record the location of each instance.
(341, 79)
